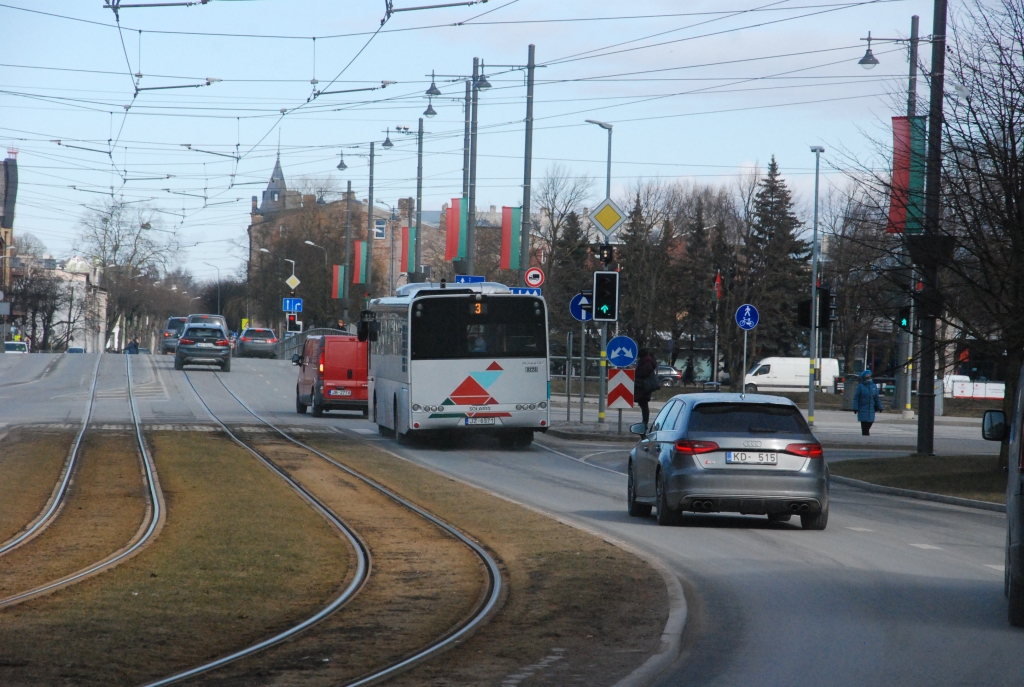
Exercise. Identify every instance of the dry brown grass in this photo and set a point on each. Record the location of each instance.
(969, 477)
(31, 461)
(240, 557)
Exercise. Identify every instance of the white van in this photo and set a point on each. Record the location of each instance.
(789, 374)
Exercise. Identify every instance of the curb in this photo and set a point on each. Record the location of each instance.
(592, 436)
(922, 495)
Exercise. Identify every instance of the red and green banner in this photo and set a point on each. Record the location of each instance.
(338, 282)
(408, 250)
(511, 236)
(456, 221)
(359, 264)
(906, 200)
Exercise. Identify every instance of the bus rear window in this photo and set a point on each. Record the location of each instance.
(453, 327)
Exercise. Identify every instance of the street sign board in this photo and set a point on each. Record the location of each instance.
(534, 277)
(576, 308)
(524, 290)
(469, 279)
(620, 389)
(291, 304)
(621, 351)
(747, 317)
(607, 217)
(292, 282)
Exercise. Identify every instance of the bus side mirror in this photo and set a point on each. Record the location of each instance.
(363, 331)
(993, 425)
(296, 358)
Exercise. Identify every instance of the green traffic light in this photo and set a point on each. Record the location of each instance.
(604, 309)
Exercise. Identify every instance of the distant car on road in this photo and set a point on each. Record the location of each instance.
(15, 347)
(217, 320)
(714, 452)
(669, 375)
(332, 375)
(75, 349)
(171, 333)
(203, 344)
(257, 343)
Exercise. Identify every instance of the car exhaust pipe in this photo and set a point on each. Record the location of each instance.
(795, 507)
(708, 505)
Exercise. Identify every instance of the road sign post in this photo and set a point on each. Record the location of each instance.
(747, 318)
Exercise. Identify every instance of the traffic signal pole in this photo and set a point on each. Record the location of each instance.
(812, 378)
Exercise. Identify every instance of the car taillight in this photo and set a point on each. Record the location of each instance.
(223, 342)
(246, 338)
(272, 340)
(166, 334)
(806, 450)
(321, 361)
(187, 342)
(692, 448)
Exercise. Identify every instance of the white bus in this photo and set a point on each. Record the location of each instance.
(459, 358)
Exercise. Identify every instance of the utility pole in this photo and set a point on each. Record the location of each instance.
(369, 232)
(524, 238)
(602, 380)
(470, 261)
(907, 335)
(348, 251)
(417, 275)
(391, 255)
(812, 378)
(932, 209)
(465, 141)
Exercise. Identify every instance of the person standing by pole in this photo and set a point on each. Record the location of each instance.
(866, 401)
(643, 386)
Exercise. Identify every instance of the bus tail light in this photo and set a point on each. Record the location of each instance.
(806, 450)
(691, 448)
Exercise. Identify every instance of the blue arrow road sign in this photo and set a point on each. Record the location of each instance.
(576, 308)
(469, 279)
(621, 351)
(747, 317)
(291, 304)
(524, 290)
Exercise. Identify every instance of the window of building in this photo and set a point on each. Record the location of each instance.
(275, 196)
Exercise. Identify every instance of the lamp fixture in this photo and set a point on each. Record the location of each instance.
(430, 111)
(341, 163)
(387, 144)
(433, 90)
(869, 61)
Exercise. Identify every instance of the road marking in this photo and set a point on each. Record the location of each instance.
(859, 529)
(927, 546)
(583, 462)
(1000, 568)
(360, 430)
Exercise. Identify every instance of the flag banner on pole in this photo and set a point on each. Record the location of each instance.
(404, 262)
(463, 226)
(359, 266)
(906, 200)
(452, 230)
(338, 282)
(718, 285)
(511, 234)
(410, 261)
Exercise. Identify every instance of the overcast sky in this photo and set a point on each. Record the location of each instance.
(696, 90)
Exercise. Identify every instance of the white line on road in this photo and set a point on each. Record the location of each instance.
(859, 529)
(1000, 568)
(578, 460)
(927, 546)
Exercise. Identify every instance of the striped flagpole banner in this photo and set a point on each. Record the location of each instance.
(511, 234)
(451, 243)
(463, 224)
(404, 261)
(906, 199)
(359, 267)
(338, 282)
(409, 259)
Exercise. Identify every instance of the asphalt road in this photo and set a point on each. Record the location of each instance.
(895, 591)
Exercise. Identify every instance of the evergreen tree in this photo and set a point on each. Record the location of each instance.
(569, 273)
(777, 268)
(646, 279)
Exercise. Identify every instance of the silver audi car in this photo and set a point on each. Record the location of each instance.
(738, 453)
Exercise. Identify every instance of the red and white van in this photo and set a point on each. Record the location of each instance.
(332, 375)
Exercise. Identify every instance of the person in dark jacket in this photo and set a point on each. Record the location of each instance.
(866, 401)
(646, 366)
(132, 348)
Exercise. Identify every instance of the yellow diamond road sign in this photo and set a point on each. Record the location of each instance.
(292, 282)
(607, 217)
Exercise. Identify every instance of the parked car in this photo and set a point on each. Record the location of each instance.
(171, 333)
(218, 320)
(15, 347)
(996, 427)
(332, 375)
(142, 349)
(788, 374)
(669, 375)
(75, 349)
(203, 344)
(257, 343)
(714, 452)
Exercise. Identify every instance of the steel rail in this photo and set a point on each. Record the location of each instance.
(360, 577)
(456, 633)
(50, 513)
(155, 512)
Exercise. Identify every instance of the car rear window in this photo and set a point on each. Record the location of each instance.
(175, 325)
(205, 333)
(747, 418)
(258, 332)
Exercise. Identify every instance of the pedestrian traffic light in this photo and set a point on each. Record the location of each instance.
(903, 319)
(293, 323)
(803, 313)
(606, 296)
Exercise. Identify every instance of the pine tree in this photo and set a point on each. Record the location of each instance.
(777, 268)
(569, 273)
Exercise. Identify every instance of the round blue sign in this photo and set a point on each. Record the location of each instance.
(621, 351)
(747, 317)
(576, 308)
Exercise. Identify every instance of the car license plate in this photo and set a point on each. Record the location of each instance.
(204, 345)
(751, 458)
(341, 392)
(479, 420)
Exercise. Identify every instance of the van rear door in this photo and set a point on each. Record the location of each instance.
(345, 369)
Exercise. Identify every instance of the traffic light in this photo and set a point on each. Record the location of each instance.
(803, 313)
(606, 296)
(607, 253)
(826, 307)
(294, 325)
(903, 319)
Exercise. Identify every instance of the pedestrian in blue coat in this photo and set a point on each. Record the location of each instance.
(866, 401)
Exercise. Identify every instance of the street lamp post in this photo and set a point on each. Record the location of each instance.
(218, 284)
(608, 172)
(310, 243)
(812, 377)
(602, 376)
(369, 231)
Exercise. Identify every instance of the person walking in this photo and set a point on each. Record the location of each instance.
(866, 401)
(645, 382)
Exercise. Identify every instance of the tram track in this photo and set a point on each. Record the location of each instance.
(485, 607)
(147, 530)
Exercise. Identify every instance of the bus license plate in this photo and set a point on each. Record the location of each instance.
(479, 420)
(751, 458)
(341, 392)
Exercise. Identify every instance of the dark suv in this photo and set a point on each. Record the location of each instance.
(203, 344)
(172, 331)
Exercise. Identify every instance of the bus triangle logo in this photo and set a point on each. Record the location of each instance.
(494, 366)
(470, 393)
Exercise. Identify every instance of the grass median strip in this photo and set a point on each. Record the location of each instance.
(969, 477)
(31, 461)
(240, 557)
